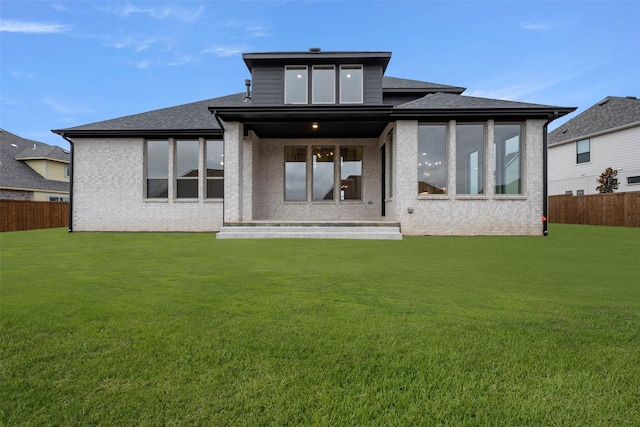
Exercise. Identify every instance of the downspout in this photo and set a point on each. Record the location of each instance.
(545, 190)
(70, 182)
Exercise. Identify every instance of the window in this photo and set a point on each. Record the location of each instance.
(470, 159)
(66, 170)
(323, 84)
(58, 199)
(322, 173)
(432, 159)
(583, 151)
(580, 193)
(507, 149)
(157, 169)
(351, 173)
(633, 180)
(186, 169)
(295, 172)
(351, 84)
(215, 169)
(569, 193)
(295, 85)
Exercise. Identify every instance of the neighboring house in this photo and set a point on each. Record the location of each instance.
(318, 137)
(605, 135)
(32, 170)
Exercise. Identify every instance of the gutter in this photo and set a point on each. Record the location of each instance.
(70, 181)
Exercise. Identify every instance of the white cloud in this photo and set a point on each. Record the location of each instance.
(9, 26)
(182, 60)
(258, 31)
(143, 64)
(225, 51)
(23, 75)
(66, 109)
(534, 25)
(161, 12)
(137, 45)
(60, 7)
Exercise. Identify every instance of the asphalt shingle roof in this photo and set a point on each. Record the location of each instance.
(439, 101)
(610, 113)
(193, 116)
(17, 174)
(395, 83)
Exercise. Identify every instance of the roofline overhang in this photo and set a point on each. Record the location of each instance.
(480, 113)
(314, 57)
(304, 113)
(53, 159)
(32, 189)
(138, 133)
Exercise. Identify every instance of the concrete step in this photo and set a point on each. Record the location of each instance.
(372, 231)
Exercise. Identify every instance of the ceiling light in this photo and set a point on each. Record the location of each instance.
(314, 125)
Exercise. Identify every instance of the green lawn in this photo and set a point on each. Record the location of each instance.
(168, 329)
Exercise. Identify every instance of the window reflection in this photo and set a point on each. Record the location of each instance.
(322, 173)
(350, 173)
(432, 159)
(295, 171)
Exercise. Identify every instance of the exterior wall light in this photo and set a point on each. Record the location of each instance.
(314, 125)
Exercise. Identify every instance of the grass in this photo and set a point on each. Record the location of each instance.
(169, 329)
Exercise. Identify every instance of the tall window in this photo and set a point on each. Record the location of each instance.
(215, 169)
(295, 173)
(323, 84)
(583, 151)
(323, 173)
(295, 85)
(351, 83)
(470, 159)
(351, 173)
(157, 169)
(508, 161)
(432, 159)
(186, 169)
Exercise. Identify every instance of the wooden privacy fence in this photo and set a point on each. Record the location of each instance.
(17, 215)
(620, 209)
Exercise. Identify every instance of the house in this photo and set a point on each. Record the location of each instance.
(318, 139)
(32, 170)
(605, 135)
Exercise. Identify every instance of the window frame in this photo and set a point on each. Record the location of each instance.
(306, 84)
(342, 86)
(313, 83)
(148, 177)
(445, 163)
(519, 158)
(208, 180)
(586, 155)
(178, 179)
(481, 163)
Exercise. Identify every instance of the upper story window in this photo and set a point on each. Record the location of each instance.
(321, 83)
(351, 83)
(583, 151)
(66, 170)
(323, 80)
(295, 85)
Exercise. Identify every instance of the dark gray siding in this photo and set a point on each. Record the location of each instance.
(268, 85)
(372, 84)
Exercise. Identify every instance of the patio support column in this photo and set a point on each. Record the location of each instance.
(233, 171)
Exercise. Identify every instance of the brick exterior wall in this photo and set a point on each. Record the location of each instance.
(451, 214)
(109, 188)
(109, 193)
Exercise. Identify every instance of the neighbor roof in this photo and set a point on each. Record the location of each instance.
(16, 174)
(611, 113)
(397, 85)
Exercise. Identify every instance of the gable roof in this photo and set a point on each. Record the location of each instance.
(15, 173)
(611, 113)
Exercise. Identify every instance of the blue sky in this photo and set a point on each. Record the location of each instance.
(68, 63)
